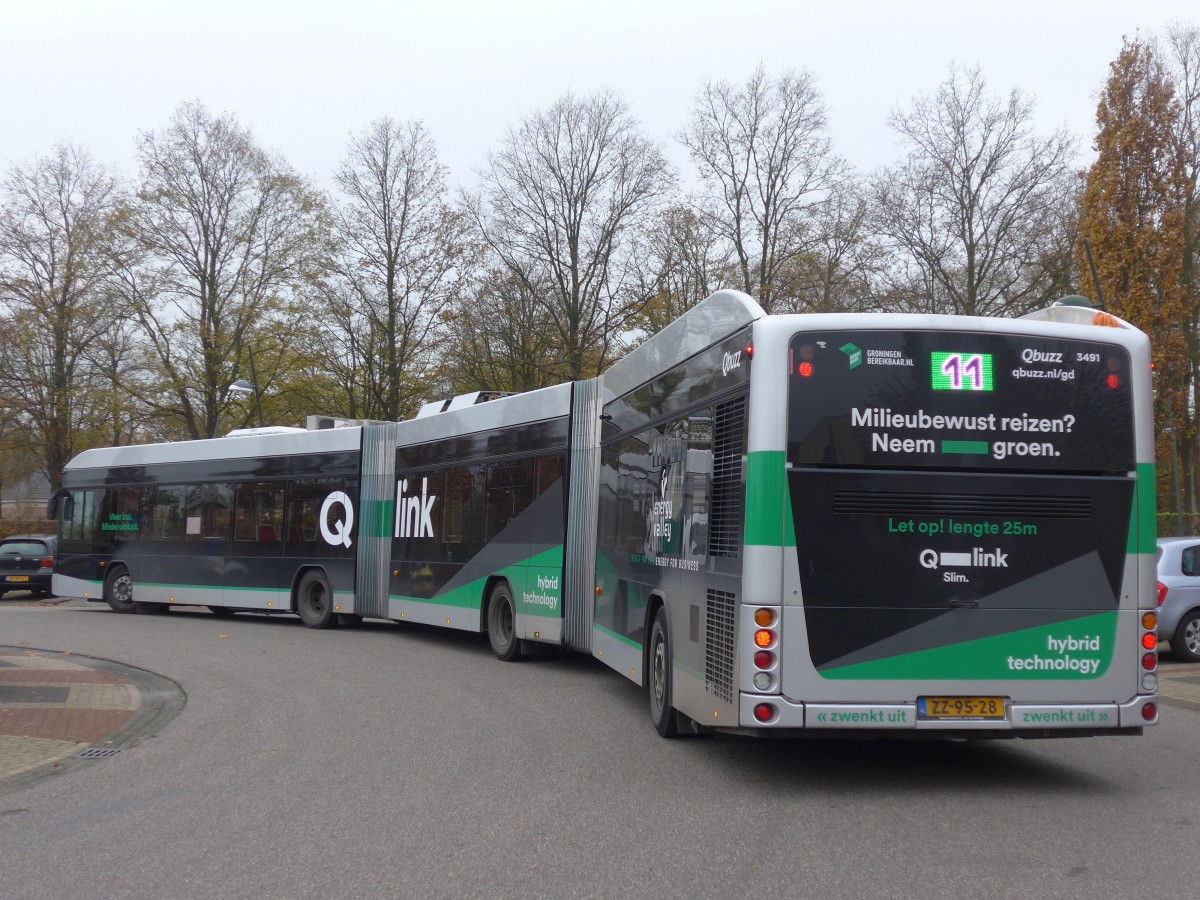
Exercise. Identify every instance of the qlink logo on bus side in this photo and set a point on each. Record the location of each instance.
(340, 532)
(414, 514)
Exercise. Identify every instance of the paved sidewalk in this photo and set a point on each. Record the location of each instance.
(1179, 684)
(60, 711)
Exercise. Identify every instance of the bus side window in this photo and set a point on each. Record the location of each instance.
(305, 499)
(82, 524)
(509, 494)
(258, 513)
(162, 514)
(695, 497)
(549, 472)
(462, 533)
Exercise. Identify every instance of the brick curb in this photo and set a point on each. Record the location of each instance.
(55, 705)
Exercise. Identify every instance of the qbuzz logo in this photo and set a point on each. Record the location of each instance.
(340, 532)
(731, 361)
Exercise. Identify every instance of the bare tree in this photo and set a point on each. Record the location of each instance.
(560, 204)
(968, 210)
(839, 267)
(221, 238)
(54, 212)
(503, 338)
(685, 260)
(764, 156)
(398, 267)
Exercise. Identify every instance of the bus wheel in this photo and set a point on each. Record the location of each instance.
(221, 612)
(118, 590)
(314, 600)
(502, 624)
(659, 682)
(1185, 642)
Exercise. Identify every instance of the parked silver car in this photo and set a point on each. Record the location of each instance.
(1179, 596)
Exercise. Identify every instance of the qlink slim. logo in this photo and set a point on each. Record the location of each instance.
(414, 514)
(340, 532)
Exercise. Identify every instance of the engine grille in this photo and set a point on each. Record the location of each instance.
(729, 447)
(719, 645)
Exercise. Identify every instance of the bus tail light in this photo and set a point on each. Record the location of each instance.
(1149, 711)
(765, 678)
(1149, 641)
(764, 712)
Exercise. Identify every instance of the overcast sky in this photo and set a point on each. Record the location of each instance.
(303, 75)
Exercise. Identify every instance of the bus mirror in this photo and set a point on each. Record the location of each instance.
(68, 504)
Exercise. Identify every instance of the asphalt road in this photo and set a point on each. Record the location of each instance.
(396, 761)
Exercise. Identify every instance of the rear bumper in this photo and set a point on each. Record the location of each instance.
(37, 581)
(1021, 719)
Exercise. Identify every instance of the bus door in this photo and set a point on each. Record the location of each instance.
(253, 569)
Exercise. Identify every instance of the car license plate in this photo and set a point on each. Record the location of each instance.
(17, 578)
(972, 708)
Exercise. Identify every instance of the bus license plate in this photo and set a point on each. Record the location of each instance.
(17, 578)
(973, 708)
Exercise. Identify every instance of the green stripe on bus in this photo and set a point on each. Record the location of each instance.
(377, 518)
(1143, 518)
(1058, 652)
(979, 448)
(766, 500)
(617, 637)
(470, 595)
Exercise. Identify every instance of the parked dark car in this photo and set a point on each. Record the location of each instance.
(27, 563)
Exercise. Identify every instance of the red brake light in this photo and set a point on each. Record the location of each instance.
(1113, 381)
(1149, 711)
(47, 562)
(764, 712)
(1149, 640)
(806, 369)
(1149, 661)
(764, 659)
(1162, 593)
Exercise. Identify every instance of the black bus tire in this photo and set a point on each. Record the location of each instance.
(1185, 642)
(314, 600)
(502, 624)
(222, 612)
(659, 680)
(118, 591)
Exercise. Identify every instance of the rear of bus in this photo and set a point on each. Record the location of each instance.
(968, 532)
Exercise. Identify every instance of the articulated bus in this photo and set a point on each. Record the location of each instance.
(892, 525)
